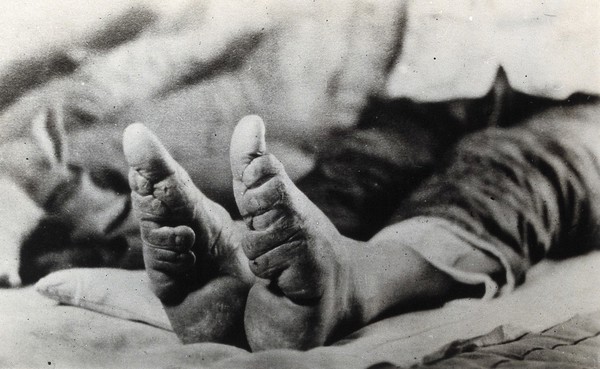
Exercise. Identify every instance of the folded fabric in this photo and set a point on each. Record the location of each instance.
(572, 344)
(453, 49)
(119, 293)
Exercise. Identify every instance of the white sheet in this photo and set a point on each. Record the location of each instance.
(36, 331)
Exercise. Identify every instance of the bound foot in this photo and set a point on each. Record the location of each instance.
(189, 242)
(305, 291)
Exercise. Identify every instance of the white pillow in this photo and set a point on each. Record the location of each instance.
(119, 293)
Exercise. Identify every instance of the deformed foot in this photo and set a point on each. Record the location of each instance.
(187, 238)
(305, 293)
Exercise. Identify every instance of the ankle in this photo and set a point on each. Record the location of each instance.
(347, 302)
(361, 310)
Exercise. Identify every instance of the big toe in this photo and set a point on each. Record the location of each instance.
(247, 143)
(145, 153)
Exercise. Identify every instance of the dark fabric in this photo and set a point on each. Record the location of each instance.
(572, 344)
(526, 179)
(528, 190)
(360, 179)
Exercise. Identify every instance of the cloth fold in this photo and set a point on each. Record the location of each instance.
(453, 49)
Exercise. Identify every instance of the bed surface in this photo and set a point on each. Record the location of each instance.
(37, 331)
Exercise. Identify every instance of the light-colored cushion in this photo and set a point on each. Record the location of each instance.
(120, 293)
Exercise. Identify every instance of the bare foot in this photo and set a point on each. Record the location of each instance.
(189, 242)
(305, 294)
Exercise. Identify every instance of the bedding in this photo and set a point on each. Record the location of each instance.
(572, 344)
(553, 35)
(109, 318)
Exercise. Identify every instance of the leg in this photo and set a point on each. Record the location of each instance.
(507, 198)
(310, 276)
(189, 244)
